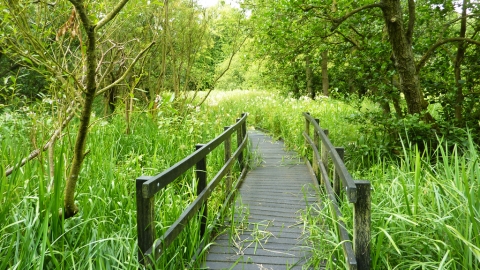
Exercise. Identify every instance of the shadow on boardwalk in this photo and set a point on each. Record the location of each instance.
(268, 230)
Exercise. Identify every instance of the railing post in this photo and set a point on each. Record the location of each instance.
(228, 155)
(244, 127)
(307, 129)
(239, 142)
(201, 172)
(337, 183)
(316, 140)
(324, 155)
(361, 224)
(145, 225)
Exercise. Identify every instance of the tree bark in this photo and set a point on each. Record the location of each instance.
(296, 89)
(403, 55)
(90, 89)
(310, 89)
(70, 209)
(459, 97)
(400, 40)
(396, 97)
(325, 83)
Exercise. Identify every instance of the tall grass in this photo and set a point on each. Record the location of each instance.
(425, 207)
(103, 234)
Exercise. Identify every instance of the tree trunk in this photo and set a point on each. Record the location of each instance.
(78, 153)
(110, 96)
(90, 89)
(396, 96)
(459, 97)
(163, 71)
(404, 58)
(325, 73)
(310, 89)
(396, 105)
(296, 88)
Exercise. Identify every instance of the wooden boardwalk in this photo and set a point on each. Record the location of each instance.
(268, 231)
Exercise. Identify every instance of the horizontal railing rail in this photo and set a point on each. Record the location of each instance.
(357, 192)
(151, 248)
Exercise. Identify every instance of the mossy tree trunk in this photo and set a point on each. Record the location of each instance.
(401, 42)
(89, 91)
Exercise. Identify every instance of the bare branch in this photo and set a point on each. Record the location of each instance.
(351, 40)
(112, 14)
(50, 142)
(338, 21)
(459, 18)
(125, 74)
(234, 52)
(103, 56)
(356, 31)
(430, 51)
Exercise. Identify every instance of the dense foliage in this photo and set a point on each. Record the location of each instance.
(408, 56)
(98, 93)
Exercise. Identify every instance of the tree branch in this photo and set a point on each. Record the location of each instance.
(234, 52)
(81, 11)
(411, 20)
(459, 18)
(50, 142)
(125, 74)
(306, 8)
(111, 15)
(338, 21)
(430, 51)
(356, 31)
(351, 40)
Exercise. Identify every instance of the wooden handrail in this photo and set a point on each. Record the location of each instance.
(342, 171)
(358, 193)
(146, 188)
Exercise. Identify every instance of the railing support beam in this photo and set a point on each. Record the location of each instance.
(316, 140)
(324, 155)
(337, 182)
(145, 225)
(361, 223)
(307, 129)
(201, 172)
(240, 136)
(228, 155)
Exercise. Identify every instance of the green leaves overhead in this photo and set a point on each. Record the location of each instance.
(362, 54)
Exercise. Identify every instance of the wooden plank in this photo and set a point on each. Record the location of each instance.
(260, 252)
(224, 265)
(273, 193)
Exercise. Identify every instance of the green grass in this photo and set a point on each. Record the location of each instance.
(103, 234)
(425, 206)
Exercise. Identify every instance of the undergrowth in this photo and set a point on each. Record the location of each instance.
(425, 207)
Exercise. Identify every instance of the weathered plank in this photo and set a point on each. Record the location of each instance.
(268, 232)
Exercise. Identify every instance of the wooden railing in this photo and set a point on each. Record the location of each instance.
(151, 248)
(357, 192)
